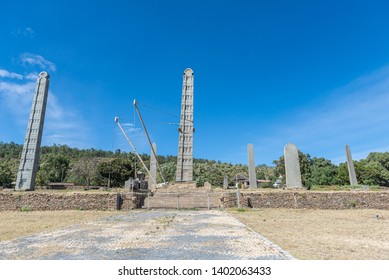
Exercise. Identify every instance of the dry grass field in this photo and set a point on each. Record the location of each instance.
(16, 224)
(323, 234)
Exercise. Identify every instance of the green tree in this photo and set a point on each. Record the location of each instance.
(84, 171)
(368, 172)
(6, 174)
(53, 168)
(342, 176)
(116, 171)
(279, 169)
(201, 173)
(381, 158)
(10, 150)
(374, 174)
(169, 172)
(377, 169)
(323, 172)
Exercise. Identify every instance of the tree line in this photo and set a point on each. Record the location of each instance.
(373, 170)
(60, 163)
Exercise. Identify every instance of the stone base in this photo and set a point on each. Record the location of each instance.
(295, 188)
(191, 184)
(183, 187)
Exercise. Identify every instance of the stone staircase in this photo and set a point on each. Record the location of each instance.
(183, 196)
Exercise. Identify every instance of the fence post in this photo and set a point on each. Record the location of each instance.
(178, 201)
(148, 200)
(208, 200)
(238, 198)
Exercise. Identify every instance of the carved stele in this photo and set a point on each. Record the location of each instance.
(225, 182)
(252, 174)
(350, 166)
(29, 161)
(292, 167)
(184, 171)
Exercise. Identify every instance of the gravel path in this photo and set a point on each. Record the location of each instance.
(148, 235)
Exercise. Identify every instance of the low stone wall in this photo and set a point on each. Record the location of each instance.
(40, 201)
(311, 200)
(57, 201)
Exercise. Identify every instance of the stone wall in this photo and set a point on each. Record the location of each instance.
(57, 201)
(129, 201)
(311, 200)
(16, 201)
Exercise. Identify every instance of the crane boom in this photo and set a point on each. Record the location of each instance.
(132, 146)
(148, 138)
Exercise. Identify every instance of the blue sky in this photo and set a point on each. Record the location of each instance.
(314, 73)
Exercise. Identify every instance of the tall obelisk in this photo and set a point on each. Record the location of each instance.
(184, 171)
(30, 155)
(350, 166)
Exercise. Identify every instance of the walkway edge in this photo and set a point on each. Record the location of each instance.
(266, 241)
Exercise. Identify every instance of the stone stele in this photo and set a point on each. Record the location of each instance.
(350, 166)
(225, 182)
(292, 167)
(29, 161)
(252, 174)
(184, 171)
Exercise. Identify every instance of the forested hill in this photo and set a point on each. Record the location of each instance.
(60, 163)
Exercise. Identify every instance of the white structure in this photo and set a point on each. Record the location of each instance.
(29, 162)
(350, 166)
(252, 174)
(292, 167)
(184, 172)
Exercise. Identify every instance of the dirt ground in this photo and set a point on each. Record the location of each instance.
(148, 235)
(323, 234)
(306, 234)
(16, 224)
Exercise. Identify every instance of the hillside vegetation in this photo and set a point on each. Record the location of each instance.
(60, 163)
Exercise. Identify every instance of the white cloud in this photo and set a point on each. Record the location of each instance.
(63, 125)
(32, 76)
(136, 136)
(37, 60)
(27, 32)
(17, 97)
(130, 128)
(6, 74)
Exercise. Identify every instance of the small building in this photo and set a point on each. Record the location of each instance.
(241, 179)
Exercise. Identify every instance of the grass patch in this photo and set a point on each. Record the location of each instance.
(25, 208)
(239, 210)
(345, 188)
(353, 203)
(352, 234)
(41, 221)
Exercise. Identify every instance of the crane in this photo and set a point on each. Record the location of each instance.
(134, 149)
